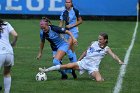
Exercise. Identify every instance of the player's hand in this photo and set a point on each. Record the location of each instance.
(69, 26)
(121, 63)
(39, 56)
(75, 42)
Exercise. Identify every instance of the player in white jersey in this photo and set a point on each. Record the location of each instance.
(90, 59)
(6, 52)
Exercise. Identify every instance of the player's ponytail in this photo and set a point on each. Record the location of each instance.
(1, 24)
(72, 3)
(47, 20)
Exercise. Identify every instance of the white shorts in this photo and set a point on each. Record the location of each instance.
(6, 60)
(88, 66)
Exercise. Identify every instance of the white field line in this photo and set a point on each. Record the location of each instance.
(119, 82)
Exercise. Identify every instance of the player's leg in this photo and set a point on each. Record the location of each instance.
(57, 61)
(58, 67)
(70, 66)
(9, 62)
(2, 60)
(97, 76)
(70, 52)
(74, 60)
(72, 46)
(72, 56)
(7, 79)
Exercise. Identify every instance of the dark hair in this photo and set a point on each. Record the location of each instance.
(1, 29)
(1, 23)
(47, 20)
(105, 36)
(72, 3)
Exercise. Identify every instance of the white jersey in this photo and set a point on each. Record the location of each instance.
(5, 46)
(95, 53)
(93, 58)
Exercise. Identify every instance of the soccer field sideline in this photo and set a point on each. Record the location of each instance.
(119, 82)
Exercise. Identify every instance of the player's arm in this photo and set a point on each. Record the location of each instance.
(82, 56)
(15, 37)
(71, 35)
(61, 23)
(85, 52)
(40, 50)
(42, 42)
(79, 21)
(114, 56)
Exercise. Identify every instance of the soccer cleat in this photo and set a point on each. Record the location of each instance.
(42, 70)
(64, 77)
(74, 74)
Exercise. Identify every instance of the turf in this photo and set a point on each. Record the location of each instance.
(26, 65)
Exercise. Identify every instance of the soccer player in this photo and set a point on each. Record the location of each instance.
(58, 44)
(90, 59)
(71, 18)
(6, 52)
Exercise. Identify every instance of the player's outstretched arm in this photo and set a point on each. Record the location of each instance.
(40, 50)
(82, 56)
(114, 56)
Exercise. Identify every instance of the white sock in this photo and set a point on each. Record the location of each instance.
(57, 67)
(7, 84)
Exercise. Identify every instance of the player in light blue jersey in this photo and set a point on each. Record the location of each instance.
(90, 59)
(58, 44)
(71, 18)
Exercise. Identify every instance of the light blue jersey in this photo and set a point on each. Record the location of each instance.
(70, 17)
(54, 38)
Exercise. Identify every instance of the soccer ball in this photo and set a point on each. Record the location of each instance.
(41, 76)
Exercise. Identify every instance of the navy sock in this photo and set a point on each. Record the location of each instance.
(70, 55)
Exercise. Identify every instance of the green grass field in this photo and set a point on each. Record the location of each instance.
(26, 66)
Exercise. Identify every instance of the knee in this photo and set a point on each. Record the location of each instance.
(56, 61)
(6, 73)
(99, 79)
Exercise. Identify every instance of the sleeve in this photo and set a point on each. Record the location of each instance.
(57, 29)
(9, 27)
(93, 42)
(77, 13)
(42, 36)
(61, 16)
(106, 49)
